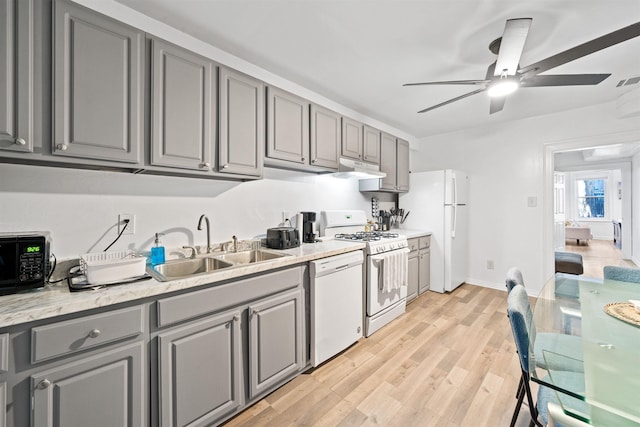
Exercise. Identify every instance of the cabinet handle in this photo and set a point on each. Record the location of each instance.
(313, 161)
(62, 147)
(21, 141)
(236, 318)
(44, 384)
(205, 165)
(302, 159)
(225, 166)
(94, 333)
(256, 312)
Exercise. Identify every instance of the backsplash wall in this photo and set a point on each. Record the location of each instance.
(80, 208)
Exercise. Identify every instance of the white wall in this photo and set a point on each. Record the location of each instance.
(635, 208)
(81, 208)
(506, 165)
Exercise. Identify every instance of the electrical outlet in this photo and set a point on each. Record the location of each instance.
(131, 227)
(490, 264)
(532, 201)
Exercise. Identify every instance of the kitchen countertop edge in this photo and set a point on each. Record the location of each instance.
(56, 300)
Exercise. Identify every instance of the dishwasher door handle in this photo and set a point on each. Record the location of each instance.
(342, 267)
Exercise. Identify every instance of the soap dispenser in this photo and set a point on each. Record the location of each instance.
(157, 252)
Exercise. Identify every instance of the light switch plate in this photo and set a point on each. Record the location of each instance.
(532, 201)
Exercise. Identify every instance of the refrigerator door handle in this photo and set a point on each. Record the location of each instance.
(455, 221)
(455, 189)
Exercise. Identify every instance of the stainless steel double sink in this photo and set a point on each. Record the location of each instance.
(182, 268)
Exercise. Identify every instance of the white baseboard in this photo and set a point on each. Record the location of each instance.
(499, 286)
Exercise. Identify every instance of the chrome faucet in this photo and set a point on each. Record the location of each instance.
(206, 220)
(194, 251)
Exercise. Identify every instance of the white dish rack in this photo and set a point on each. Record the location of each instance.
(111, 267)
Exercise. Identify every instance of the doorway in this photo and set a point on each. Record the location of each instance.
(629, 140)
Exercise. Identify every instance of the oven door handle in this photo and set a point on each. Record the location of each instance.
(380, 265)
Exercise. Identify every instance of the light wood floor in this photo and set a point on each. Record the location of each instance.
(449, 361)
(596, 254)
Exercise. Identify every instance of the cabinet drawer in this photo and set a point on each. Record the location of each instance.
(193, 304)
(425, 242)
(4, 353)
(85, 332)
(414, 244)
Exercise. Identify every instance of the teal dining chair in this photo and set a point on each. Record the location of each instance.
(521, 320)
(621, 274)
(563, 343)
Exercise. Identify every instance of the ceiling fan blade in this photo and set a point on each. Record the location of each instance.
(584, 49)
(511, 46)
(450, 82)
(452, 100)
(563, 80)
(497, 104)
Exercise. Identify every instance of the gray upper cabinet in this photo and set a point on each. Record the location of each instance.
(16, 75)
(98, 86)
(351, 139)
(388, 161)
(394, 161)
(275, 340)
(183, 108)
(371, 145)
(241, 111)
(199, 372)
(102, 390)
(287, 126)
(326, 137)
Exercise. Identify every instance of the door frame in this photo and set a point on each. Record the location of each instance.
(553, 147)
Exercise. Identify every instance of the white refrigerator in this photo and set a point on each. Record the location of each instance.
(437, 201)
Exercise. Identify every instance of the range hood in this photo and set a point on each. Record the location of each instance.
(358, 170)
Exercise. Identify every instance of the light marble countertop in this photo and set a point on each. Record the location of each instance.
(411, 233)
(56, 299)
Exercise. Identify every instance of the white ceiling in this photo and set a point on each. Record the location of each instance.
(360, 52)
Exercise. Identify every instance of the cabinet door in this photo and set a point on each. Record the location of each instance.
(199, 370)
(402, 171)
(388, 160)
(16, 71)
(424, 270)
(107, 390)
(241, 123)
(287, 126)
(412, 286)
(182, 100)
(371, 148)
(275, 340)
(98, 72)
(351, 139)
(325, 137)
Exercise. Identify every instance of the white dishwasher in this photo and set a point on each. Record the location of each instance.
(336, 304)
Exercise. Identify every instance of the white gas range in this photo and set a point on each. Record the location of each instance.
(386, 265)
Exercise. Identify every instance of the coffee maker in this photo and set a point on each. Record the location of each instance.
(309, 233)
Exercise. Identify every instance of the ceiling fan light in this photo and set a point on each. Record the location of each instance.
(502, 87)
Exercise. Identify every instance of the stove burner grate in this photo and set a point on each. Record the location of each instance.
(367, 236)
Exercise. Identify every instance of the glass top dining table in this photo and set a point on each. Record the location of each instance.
(609, 392)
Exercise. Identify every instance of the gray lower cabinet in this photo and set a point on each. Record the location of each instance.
(98, 67)
(200, 367)
(287, 126)
(275, 340)
(419, 266)
(4, 370)
(241, 111)
(424, 263)
(183, 117)
(414, 276)
(16, 75)
(101, 390)
(326, 137)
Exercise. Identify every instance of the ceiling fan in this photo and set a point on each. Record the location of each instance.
(505, 75)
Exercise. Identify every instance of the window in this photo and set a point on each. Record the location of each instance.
(591, 197)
